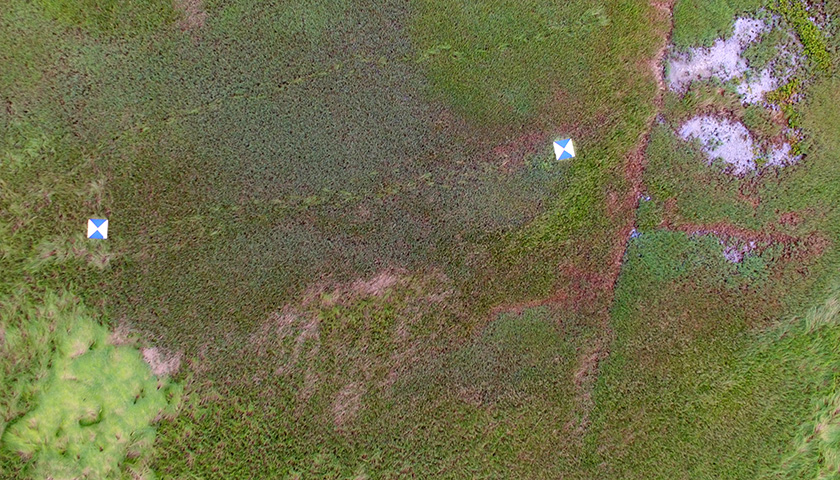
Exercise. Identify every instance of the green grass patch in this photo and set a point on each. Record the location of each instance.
(111, 16)
(702, 97)
(678, 170)
(92, 408)
(489, 58)
(758, 120)
(759, 54)
(708, 377)
(683, 391)
(810, 343)
(701, 22)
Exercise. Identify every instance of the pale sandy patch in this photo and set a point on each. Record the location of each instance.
(161, 362)
(193, 14)
(346, 404)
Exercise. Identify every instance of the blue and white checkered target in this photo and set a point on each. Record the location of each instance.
(564, 149)
(97, 228)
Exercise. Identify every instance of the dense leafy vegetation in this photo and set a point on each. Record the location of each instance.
(814, 41)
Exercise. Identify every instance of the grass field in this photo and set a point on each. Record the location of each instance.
(323, 208)
(701, 22)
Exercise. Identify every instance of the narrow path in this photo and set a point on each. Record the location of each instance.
(636, 162)
(634, 166)
(597, 288)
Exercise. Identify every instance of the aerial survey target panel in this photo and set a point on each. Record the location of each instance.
(564, 149)
(97, 228)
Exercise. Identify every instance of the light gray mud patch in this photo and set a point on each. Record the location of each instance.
(726, 61)
(734, 253)
(731, 142)
(722, 60)
(753, 90)
(722, 139)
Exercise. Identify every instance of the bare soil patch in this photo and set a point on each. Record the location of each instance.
(346, 404)
(377, 285)
(193, 15)
(161, 361)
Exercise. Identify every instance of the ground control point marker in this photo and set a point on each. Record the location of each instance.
(564, 149)
(97, 228)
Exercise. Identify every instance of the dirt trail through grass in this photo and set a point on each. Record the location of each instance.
(633, 171)
(586, 287)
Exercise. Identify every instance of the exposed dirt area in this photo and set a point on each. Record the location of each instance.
(162, 362)
(193, 15)
(346, 404)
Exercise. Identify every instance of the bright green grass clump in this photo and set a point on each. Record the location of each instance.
(814, 41)
(93, 406)
(700, 22)
(812, 343)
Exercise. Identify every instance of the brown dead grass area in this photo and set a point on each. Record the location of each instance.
(584, 382)
(293, 342)
(308, 331)
(665, 9)
(810, 245)
(330, 294)
(346, 404)
(511, 155)
(791, 219)
(193, 14)
(277, 327)
(376, 286)
(161, 361)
